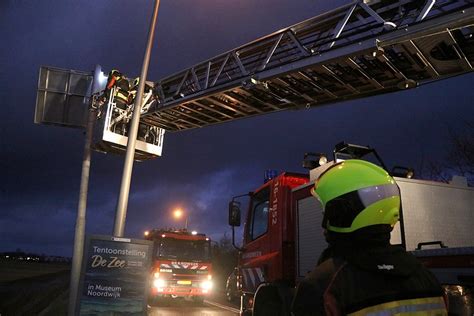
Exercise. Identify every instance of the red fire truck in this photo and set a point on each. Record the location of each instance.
(181, 265)
(283, 237)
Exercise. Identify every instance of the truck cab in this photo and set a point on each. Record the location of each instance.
(269, 230)
(181, 265)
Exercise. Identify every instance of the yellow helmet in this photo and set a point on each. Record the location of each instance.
(116, 73)
(357, 194)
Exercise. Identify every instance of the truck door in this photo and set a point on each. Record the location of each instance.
(257, 242)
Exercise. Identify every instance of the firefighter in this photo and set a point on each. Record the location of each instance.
(146, 91)
(121, 96)
(360, 273)
(143, 130)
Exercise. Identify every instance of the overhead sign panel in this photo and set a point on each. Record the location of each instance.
(63, 97)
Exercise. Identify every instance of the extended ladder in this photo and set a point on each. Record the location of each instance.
(358, 50)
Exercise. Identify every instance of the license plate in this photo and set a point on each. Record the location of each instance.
(184, 282)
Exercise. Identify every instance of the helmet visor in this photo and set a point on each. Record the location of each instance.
(342, 210)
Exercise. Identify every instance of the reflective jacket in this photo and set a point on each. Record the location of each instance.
(122, 90)
(384, 280)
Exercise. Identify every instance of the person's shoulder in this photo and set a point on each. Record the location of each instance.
(400, 252)
(324, 271)
(310, 291)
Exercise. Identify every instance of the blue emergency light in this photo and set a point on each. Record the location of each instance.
(269, 174)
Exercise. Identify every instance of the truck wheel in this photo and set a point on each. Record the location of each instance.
(268, 303)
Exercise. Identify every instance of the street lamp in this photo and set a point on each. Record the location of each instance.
(122, 203)
(178, 213)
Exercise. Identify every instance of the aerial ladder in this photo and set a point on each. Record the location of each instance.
(365, 48)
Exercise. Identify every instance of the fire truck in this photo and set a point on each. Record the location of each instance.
(283, 236)
(181, 264)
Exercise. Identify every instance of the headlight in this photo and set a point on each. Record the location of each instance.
(159, 283)
(206, 285)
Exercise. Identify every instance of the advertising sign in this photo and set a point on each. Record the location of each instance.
(115, 276)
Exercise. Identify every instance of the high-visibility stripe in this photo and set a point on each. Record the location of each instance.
(252, 277)
(246, 278)
(432, 306)
(121, 95)
(183, 266)
(260, 274)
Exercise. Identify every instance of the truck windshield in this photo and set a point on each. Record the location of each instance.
(190, 250)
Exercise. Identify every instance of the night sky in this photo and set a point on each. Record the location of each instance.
(201, 169)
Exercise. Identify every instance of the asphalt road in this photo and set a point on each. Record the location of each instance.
(215, 305)
(180, 307)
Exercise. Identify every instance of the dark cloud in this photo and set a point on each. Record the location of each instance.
(200, 169)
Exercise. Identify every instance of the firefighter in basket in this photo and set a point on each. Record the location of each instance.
(117, 90)
(144, 133)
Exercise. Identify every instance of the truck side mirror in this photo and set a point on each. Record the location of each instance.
(234, 213)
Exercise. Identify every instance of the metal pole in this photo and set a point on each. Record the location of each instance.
(81, 216)
(186, 224)
(122, 202)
